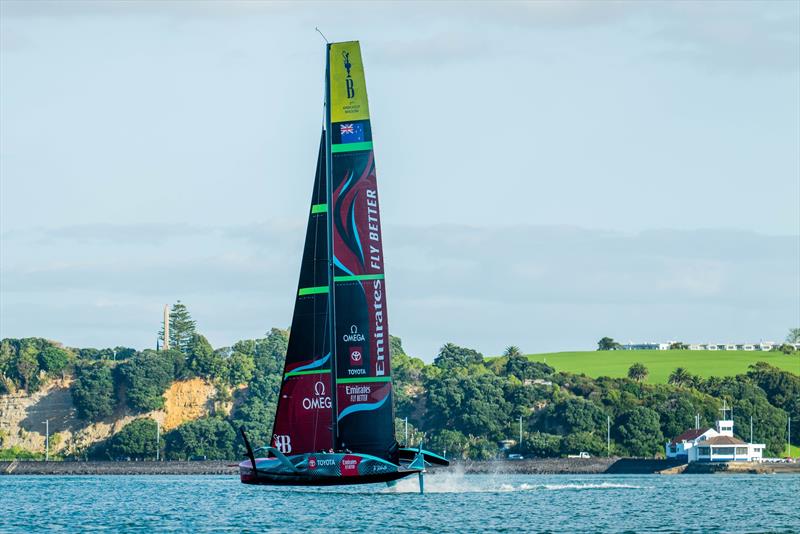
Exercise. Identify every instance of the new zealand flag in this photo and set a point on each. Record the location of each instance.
(351, 132)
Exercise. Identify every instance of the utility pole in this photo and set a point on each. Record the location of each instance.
(751, 429)
(520, 433)
(406, 441)
(608, 435)
(46, 440)
(789, 438)
(158, 440)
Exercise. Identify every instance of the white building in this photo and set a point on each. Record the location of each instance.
(714, 445)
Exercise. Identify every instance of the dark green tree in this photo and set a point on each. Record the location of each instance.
(136, 440)
(395, 346)
(147, 376)
(240, 368)
(542, 445)
(452, 356)
(573, 414)
(607, 343)
(181, 327)
(638, 372)
(679, 377)
(53, 360)
(590, 442)
(640, 432)
(93, 391)
(211, 437)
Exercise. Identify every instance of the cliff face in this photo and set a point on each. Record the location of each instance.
(22, 416)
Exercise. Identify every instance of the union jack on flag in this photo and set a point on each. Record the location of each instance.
(351, 132)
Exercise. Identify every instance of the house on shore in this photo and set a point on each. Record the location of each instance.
(713, 445)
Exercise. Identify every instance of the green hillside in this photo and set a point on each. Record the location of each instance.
(661, 363)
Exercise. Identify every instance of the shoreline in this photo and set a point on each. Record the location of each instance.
(543, 466)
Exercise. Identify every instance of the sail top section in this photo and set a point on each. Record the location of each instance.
(348, 86)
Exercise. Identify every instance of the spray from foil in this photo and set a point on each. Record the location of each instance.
(454, 480)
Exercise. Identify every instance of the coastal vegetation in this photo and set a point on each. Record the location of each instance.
(462, 403)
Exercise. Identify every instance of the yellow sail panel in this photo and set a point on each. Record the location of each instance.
(348, 88)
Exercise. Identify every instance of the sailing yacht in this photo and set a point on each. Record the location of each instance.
(334, 422)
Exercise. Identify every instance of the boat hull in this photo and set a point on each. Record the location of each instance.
(321, 469)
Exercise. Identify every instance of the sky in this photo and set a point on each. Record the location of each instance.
(550, 173)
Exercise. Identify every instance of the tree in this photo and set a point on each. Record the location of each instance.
(240, 368)
(793, 336)
(211, 437)
(93, 391)
(452, 356)
(53, 360)
(524, 369)
(608, 343)
(147, 376)
(136, 440)
(638, 372)
(678, 345)
(573, 414)
(542, 445)
(204, 361)
(395, 346)
(679, 377)
(640, 432)
(181, 327)
(512, 350)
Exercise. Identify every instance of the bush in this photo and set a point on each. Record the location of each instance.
(93, 391)
(213, 438)
(136, 440)
(53, 360)
(147, 376)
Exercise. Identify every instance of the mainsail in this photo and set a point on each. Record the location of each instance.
(336, 390)
(364, 411)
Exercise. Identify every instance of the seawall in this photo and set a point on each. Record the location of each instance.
(539, 466)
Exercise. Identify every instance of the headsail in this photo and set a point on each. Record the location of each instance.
(364, 408)
(303, 418)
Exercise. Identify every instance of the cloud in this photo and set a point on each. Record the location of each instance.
(544, 288)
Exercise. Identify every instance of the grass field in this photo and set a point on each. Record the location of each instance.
(661, 363)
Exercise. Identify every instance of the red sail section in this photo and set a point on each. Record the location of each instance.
(304, 417)
(364, 389)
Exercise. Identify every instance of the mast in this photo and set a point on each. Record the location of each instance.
(331, 267)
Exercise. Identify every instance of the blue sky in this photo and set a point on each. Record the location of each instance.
(550, 172)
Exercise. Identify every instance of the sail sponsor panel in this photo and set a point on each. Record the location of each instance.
(348, 87)
(304, 416)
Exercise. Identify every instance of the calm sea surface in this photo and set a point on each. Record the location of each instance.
(453, 503)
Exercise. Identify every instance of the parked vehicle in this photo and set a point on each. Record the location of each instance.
(515, 457)
(582, 454)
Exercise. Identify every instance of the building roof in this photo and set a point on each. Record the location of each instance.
(723, 440)
(689, 435)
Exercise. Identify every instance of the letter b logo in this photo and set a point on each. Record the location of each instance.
(351, 92)
(283, 443)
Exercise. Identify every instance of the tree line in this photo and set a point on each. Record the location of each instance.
(462, 403)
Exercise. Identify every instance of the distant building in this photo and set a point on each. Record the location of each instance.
(763, 346)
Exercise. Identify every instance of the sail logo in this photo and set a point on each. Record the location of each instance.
(358, 393)
(283, 443)
(319, 400)
(354, 335)
(351, 92)
(356, 358)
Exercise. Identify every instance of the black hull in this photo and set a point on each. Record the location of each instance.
(265, 479)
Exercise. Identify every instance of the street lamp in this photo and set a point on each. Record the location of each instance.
(46, 440)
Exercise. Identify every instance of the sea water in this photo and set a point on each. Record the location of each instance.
(453, 502)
